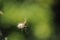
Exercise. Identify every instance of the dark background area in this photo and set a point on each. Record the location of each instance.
(56, 9)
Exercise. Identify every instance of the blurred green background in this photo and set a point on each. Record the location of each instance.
(39, 15)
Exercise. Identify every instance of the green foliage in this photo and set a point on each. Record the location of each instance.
(15, 35)
(38, 12)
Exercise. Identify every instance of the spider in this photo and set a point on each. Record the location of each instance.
(22, 25)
